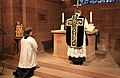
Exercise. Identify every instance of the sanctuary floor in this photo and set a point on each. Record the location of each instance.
(104, 65)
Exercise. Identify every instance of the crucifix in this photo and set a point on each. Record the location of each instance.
(77, 5)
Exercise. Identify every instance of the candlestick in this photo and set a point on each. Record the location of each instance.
(63, 18)
(91, 17)
(62, 27)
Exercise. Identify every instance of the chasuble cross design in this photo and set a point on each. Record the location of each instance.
(75, 31)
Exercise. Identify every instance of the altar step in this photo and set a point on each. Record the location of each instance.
(101, 67)
(49, 70)
(46, 72)
(54, 67)
(75, 71)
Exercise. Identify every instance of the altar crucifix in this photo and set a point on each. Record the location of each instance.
(78, 4)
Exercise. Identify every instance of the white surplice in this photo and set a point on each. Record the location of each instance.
(28, 57)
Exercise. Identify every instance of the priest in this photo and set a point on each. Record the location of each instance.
(76, 38)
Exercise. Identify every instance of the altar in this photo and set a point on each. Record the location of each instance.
(60, 46)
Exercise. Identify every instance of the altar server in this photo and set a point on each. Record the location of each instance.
(28, 57)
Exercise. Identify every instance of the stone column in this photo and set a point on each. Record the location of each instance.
(8, 27)
(24, 7)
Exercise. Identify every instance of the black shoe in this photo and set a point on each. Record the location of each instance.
(15, 74)
(83, 59)
(70, 58)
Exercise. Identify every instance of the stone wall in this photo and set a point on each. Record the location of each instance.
(42, 15)
(7, 23)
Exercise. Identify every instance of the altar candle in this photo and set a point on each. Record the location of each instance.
(91, 17)
(62, 17)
